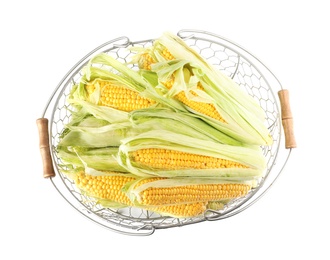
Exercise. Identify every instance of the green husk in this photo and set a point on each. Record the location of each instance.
(126, 75)
(179, 122)
(101, 159)
(96, 133)
(245, 119)
(101, 112)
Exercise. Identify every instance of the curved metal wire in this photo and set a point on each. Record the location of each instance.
(149, 228)
(181, 32)
(82, 61)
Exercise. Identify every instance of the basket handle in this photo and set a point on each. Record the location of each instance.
(287, 119)
(48, 169)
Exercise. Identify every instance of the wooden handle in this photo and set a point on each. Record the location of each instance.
(287, 119)
(48, 169)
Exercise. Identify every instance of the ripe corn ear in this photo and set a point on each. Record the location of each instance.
(118, 96)
(174, 160)
(145, 59)
(162, 191)
(207, 109)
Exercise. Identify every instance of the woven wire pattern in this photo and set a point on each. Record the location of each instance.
(223, 58)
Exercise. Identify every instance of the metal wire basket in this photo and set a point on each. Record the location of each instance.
(244, 68)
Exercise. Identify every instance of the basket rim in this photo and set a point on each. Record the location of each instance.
(146, 228)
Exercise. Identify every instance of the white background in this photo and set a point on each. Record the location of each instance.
(42, 40)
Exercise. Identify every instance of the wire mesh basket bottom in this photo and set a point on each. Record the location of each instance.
(250, 74)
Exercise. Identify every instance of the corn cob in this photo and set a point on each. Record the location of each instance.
(207, 109)
(163, 191)
(118, 96)
(109, 187)
(167, 55)
(174, 160)
(193, 193)
(146, 59)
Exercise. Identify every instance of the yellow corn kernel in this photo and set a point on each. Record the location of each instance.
(118, 96)
(175, 160)
(192, 193)
(146, 60)
(201, 107)
(104, 187)
(167, 55)
(181, 210)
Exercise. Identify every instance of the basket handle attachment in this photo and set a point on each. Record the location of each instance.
(48, 169)
(287, 119)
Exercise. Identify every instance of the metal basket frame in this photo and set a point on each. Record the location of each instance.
(243, 67)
